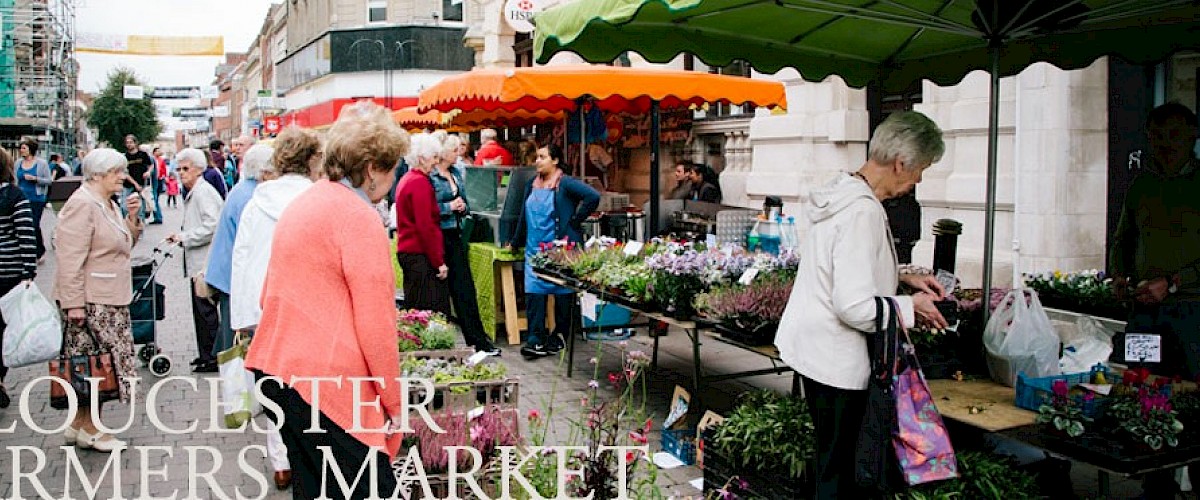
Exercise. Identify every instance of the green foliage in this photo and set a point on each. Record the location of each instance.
(980, 476)
(767, 433)
(113, 116)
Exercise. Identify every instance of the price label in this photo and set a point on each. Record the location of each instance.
(633, 247)
(588, 304)
(710, 241)
(1143, 348)
(590, 242)
(748, 276)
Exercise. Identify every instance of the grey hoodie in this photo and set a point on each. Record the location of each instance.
(847, 259)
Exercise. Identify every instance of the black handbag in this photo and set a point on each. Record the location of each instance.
(876, 467)
(75, 370)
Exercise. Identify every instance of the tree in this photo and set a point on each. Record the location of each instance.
(113, 116)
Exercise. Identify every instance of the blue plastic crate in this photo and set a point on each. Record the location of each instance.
(681, 443)
(608, 314)
(1032, 393)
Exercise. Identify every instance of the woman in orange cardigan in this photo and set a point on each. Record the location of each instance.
(328, 311)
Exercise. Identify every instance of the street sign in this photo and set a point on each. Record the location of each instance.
(272, 124)
(134, 92)
(209, 92)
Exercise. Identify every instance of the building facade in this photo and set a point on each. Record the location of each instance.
(38, 74)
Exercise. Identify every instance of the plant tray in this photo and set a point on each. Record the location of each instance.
(762, 336)
(488, 478)
(681, 443)
(458, 355)
(461, 397)
(720, 470)
(1032, 392)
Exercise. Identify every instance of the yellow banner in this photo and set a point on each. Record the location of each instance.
(147, 45)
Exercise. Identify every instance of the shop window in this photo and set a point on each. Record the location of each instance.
(376, 11)
(452, 10)
(722, 110)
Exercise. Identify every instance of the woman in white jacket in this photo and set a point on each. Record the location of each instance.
(847, 259)
(293, 168)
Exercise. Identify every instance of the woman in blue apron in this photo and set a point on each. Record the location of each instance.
(555, 208)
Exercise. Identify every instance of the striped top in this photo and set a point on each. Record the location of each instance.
(18, 247)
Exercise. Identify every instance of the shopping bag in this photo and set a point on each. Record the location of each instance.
(34, 332)
(1019, 338)
(75, 370)
(922, 443)
(875, 465)
(237, 383)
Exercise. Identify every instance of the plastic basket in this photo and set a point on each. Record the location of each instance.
(681, 443)
(733, 225)
(1032, 392)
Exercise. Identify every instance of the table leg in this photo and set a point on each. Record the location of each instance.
(571, 334)
(697, 372)
(795, 384)
(654, 356)
(508, 289)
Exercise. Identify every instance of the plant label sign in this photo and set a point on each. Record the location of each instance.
(633, 247)
(1143, 348)
(588, 304)
(748, 276)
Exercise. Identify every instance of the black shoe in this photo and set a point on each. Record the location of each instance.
(196, 361)
(155, 222)
(533, 351)
(205, 367)
(555, 344)
(490, 349)
(4, 401)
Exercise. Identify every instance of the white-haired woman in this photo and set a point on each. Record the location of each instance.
(201, 211)
(419, 247)
(93, 284)
(220, 257)
(849, 260)
(451, 196)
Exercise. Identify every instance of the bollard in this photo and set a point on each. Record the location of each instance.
(945, 244)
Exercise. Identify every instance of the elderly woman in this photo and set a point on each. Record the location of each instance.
(848, 261)
(220, 258)
(328, 309)
(555, 208)
(34, 179)
(419, 247)
(94, 283)
(201, 212)
(450, 192)
(18, 260)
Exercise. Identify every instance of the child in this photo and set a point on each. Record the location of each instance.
(172, 190)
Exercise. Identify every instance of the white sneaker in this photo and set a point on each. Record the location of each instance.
(98, 441)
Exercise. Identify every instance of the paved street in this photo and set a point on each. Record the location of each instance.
(189, 456)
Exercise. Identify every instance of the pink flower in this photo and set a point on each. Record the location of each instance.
(534, 414)
(1060, 388)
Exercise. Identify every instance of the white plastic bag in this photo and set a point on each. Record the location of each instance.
(237, 384)
(34, 333)
(1020, 339)
(1091, 344)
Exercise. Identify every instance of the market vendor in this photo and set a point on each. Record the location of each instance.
(1155, 254)
(555, 208)
(848, 261)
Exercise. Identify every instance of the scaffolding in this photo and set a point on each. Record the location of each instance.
(38, 75)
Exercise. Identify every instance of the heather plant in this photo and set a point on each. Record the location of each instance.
(747, 307)
(491, 428)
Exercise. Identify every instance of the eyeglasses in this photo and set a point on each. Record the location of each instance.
(184, 169)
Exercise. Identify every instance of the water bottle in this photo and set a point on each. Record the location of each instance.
(769, 236)
(753, 237)
(790, 241)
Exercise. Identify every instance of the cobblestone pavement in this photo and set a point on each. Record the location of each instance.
(212, 464)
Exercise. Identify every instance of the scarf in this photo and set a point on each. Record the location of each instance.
(548, 183)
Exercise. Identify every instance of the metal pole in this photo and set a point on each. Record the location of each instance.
(654, 174)
(989, 221)
(582, 139)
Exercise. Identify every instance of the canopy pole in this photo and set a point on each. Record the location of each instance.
(989, 221)
(582, 140)
(654, 170)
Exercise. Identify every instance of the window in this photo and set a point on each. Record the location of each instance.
(452, 10)
(376, 11)
(736, 68)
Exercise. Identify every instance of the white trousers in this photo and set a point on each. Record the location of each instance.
(277, 451)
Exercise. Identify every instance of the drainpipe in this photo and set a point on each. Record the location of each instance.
(1016, 220)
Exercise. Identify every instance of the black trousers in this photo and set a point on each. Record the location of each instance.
(206, 318)
(306, 458)
(422, 288)
(837, 415)
(462, 290)
(6, 285)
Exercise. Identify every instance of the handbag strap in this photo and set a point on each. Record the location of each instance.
(884, 353)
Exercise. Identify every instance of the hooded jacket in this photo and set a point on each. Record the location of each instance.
(252, 246)
(847, 259)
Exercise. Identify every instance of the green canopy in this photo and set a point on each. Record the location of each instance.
(889, 43)
(893, 43)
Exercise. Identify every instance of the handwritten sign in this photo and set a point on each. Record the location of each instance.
(1143, 348)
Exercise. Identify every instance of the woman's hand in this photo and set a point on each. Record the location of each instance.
(76, 315)
(443, 272)
(134, 202)
(927, 312)
(458, 205)
(924, 283)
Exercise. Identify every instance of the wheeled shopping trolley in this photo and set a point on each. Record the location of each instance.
(149, 306)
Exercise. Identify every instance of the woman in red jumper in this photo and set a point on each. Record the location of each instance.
(328, 327)
(419, 247)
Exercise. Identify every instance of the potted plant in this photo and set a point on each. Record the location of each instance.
(1062, 413)
(980, 475)
(768, 442)
(750, 313)
(424, 330)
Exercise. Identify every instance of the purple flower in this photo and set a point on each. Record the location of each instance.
(593, 384)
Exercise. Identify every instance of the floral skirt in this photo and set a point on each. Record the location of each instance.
(110, 327)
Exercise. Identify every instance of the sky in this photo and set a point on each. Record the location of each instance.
(236, 20)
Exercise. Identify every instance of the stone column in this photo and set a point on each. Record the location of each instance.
(490, 36)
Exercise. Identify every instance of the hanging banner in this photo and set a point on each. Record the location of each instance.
(192, 92)
(148, 45)
(191, 113)
(220, 111)
(134, 92)
(209, 92)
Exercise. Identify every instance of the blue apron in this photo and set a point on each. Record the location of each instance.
(540, 228)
